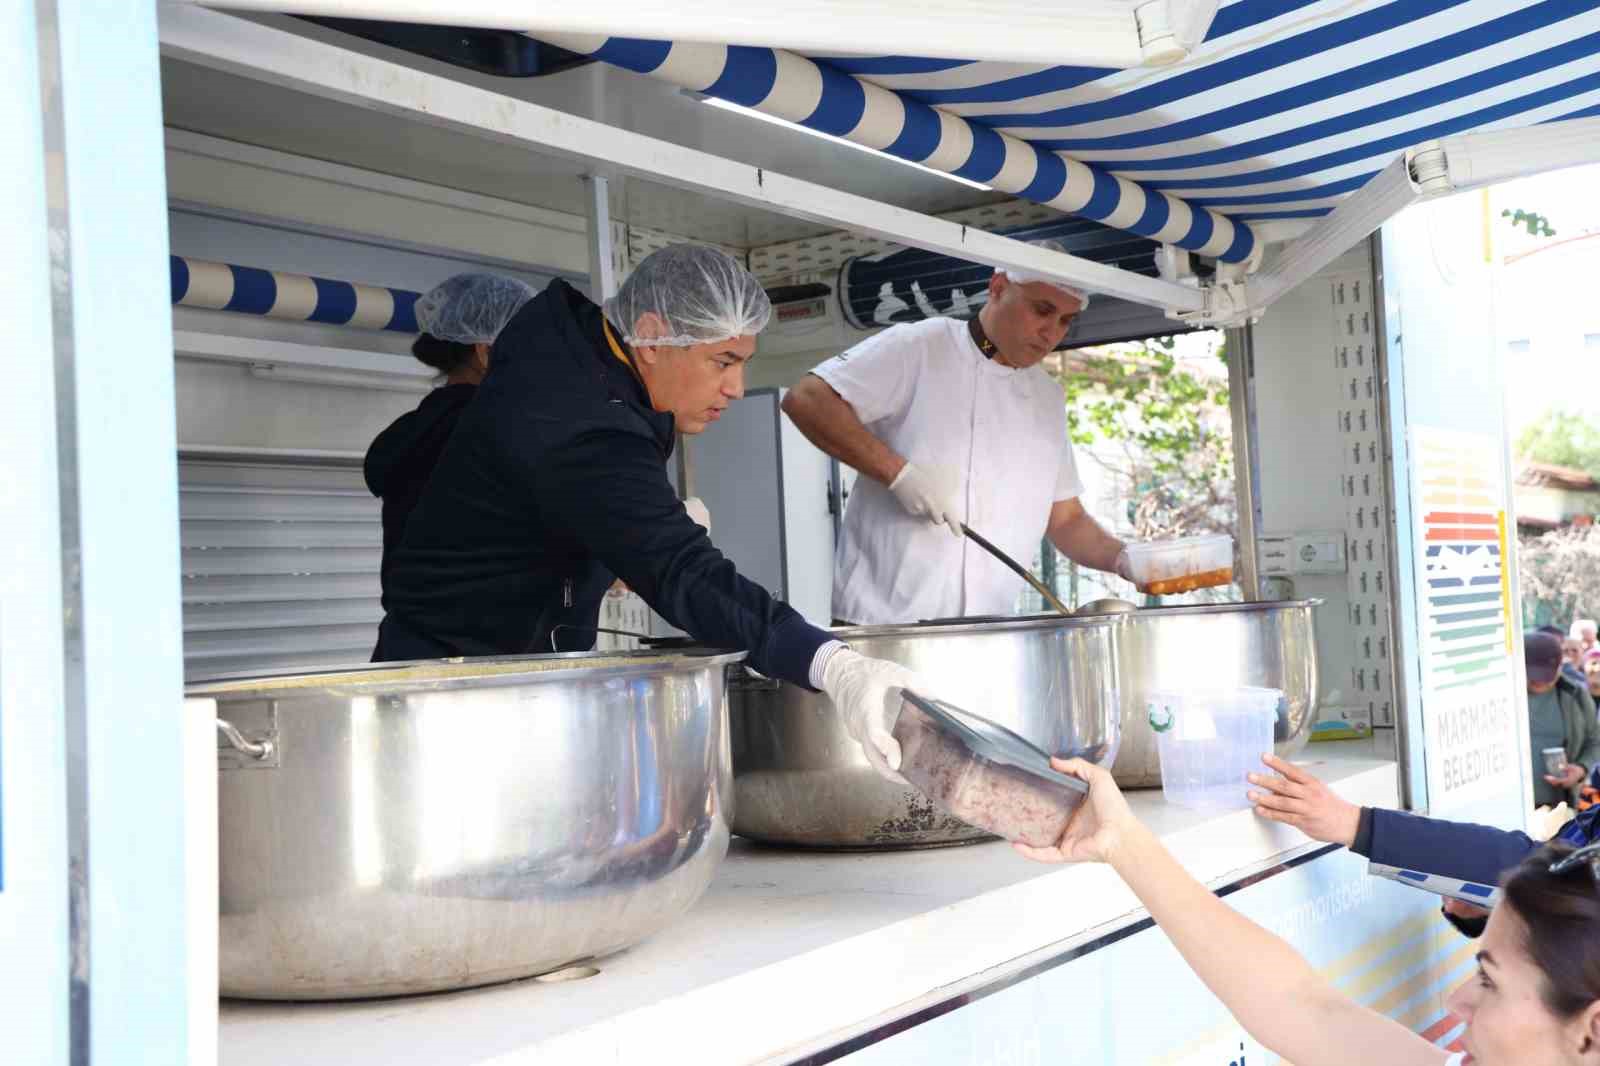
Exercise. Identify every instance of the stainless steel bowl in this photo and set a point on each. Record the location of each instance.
(414, 827)
(1271, 645)
(800, 780)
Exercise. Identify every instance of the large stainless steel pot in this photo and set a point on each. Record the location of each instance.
(412, 827)
(800, 780)
(1272, 645)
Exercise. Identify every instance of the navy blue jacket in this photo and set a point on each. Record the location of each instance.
(1461, 850)
(402, 457)
(554, 481)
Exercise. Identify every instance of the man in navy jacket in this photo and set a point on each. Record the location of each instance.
(554, 483)
(1459, 850)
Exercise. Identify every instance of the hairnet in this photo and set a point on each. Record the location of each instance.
(1023, 277)
(700, 293)
(471, 308)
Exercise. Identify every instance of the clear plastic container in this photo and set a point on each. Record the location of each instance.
(1210, 739)
(1168, 567)
(983, 773)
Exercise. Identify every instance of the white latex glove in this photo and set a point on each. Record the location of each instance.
(1124, 566)
(866, 693)
(697, 511)
(933, 493)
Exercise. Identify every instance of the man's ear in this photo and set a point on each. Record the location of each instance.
(648, 325)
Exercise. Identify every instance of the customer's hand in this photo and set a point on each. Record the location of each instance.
(931, 492)
(1298, 799)
(1571, 777)
(1097, 826)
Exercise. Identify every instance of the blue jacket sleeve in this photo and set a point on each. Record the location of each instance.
(1451, 849)
(608, 492)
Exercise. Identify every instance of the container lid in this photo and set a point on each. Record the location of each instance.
(992, 741)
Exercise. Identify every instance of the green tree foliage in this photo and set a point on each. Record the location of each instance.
(1536, 224)
(1564, 438)
(1175, 460)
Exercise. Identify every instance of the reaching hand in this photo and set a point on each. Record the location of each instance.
(867, 694)
(1571, 777)
(933, 493)
(1097, 826)
(1296, 798)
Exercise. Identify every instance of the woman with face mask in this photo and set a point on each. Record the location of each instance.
(1534, 1000)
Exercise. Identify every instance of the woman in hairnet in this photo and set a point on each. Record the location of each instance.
(460, 318)
(555, 481)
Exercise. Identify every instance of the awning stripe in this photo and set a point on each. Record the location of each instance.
(1288, 106)
(801, 90)
(295, 297)
(1327, 89)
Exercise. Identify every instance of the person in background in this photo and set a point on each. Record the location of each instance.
(953, 423)
(1462, 850)
(554, 484)
(460, 319)
(1587, 633)
(1534, 1000)
(1560, 715)
(1591, 673)
(1571, 652)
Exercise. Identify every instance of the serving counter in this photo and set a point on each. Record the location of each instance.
(794, 955)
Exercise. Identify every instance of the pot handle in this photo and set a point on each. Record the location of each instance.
(258, 750)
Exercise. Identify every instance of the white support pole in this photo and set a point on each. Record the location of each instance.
(34, 948)
(227, 43)
(1101, 33)
(1356, 218)
(116, 613)
(602, 252)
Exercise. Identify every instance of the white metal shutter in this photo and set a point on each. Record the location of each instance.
(280, 565)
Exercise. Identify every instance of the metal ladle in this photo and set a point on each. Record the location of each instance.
(1021, 571)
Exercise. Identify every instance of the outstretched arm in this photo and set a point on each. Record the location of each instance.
(1268, 987)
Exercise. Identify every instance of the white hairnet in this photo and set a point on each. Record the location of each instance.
(471, 308)
(701, 294)
(1022, 277)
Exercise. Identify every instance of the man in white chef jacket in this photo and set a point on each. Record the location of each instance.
(952, 422)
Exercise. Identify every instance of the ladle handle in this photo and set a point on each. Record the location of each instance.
(1021, 571)
(260, 750)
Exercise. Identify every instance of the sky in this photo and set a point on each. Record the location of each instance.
(1547, 304)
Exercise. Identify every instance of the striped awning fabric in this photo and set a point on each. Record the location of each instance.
(297, 297)
(1288, 106)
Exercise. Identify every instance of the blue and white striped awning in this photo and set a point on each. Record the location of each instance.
(1288, 106)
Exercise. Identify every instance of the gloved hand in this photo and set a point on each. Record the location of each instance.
(697, 511)
(1124, 566)
(867, 695)
(933, 493)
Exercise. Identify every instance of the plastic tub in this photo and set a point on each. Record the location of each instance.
(1209, 740)
(1168, 567)
(983, 773)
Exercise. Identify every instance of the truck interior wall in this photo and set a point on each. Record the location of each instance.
(1301, 451)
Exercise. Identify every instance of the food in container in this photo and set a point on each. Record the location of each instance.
(983, 773)
(1168, 567)
(1209, 739)
(1555, 761)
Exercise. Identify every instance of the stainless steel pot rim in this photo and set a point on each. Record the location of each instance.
(1181, 609)
(459, 672)
(959, 626)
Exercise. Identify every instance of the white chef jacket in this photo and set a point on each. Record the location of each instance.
(926, 391)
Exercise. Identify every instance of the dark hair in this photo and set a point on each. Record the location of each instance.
(444, 356)
(1561, 915)
(1552, 630)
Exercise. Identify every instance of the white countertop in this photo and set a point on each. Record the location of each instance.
(790, 951)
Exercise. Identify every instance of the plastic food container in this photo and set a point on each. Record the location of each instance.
(1168, 567)
(1209, 740)
(983, 773)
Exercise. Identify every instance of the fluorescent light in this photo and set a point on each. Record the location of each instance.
(776, 121)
